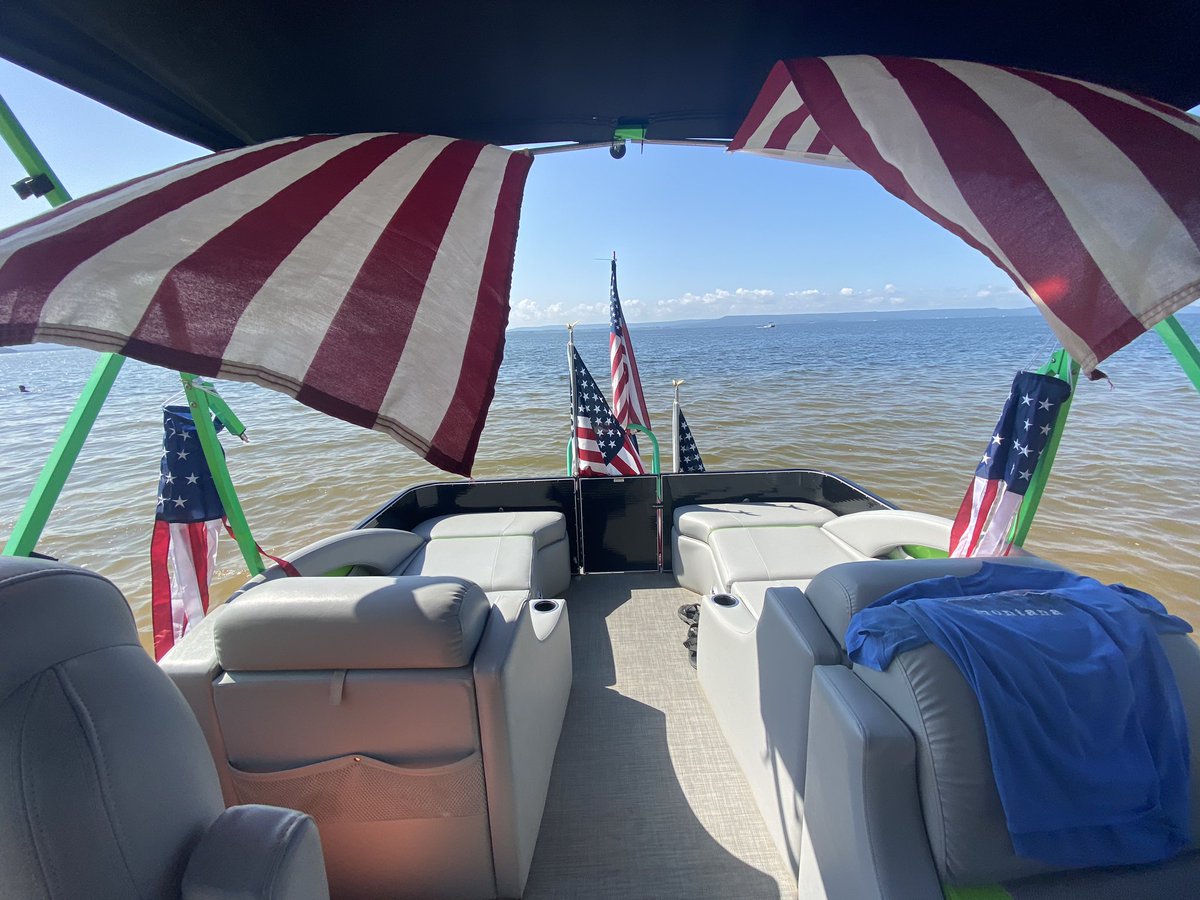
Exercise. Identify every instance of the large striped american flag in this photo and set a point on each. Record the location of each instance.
(628, 401)
(366, 275)
(1086, 196)
(603, 446)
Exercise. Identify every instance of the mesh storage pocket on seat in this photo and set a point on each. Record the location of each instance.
(361, 789)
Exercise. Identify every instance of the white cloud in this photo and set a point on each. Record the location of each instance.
(983, 293)
(847, 292)
(811, 292)
(889, 289)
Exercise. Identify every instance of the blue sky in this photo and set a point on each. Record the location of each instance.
(699, 233)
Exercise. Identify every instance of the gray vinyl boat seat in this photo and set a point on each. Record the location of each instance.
(511, 555)
(756, 657)
(412, 718)
(108, 789)
(745, 548)
(899, 797)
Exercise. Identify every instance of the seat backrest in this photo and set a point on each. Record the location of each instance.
(959, 801)
(108, 784)
(353, 699)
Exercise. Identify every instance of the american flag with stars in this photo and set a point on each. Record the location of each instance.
(689, 455)
(187, 520)
(628, 401)
(603, 446)
(1006, 469)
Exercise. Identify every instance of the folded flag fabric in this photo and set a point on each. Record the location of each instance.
(1085, 725)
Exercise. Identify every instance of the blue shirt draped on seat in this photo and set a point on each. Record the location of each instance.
(1085, 726)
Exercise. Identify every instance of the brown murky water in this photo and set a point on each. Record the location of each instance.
(901, 406)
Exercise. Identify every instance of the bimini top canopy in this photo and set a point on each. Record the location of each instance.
(1086, 196)
(366, 275)
(226, 73)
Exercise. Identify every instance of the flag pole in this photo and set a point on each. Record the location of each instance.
(675, 383)
(574, 399)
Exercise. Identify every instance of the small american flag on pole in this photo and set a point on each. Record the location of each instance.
(1006, 469)
(689, 454)
(628, 401)
(603, 445)
(187, 521)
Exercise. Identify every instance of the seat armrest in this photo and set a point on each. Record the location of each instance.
(257, 853)
(522, 682)
(864, 835)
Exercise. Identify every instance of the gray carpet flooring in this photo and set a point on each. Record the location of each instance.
(645, 799)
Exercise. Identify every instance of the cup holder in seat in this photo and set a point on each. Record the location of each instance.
(726, 600)
(545, 605)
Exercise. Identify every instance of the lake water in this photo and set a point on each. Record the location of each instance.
(902, 406)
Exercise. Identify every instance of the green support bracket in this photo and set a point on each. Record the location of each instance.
(199, 394)
(1182, 346)
(1061, 366)
(54, 473)
(630, 133)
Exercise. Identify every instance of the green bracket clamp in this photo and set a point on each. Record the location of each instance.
(202, 398)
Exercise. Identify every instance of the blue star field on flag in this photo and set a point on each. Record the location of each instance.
(1025, 425)
(186, 490)
(590, 402)
(689, 455)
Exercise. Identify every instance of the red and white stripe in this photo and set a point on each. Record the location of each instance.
(183, 557)
(1086, 196)
(984, 519)
(366, 275)
(629, 403)
(591, 460)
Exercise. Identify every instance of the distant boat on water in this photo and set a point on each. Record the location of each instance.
(768, 325)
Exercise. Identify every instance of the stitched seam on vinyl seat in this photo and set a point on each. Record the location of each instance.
(84, 717)
(28, 802)
(862, 729)
(271, 874)
(932, 767)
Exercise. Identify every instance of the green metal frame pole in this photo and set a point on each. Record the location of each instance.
(1061, 366)
(197, 399)
(54, 473)
(53, 477)
(1182, 346)
(28, 155)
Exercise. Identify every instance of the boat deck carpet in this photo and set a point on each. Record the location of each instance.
(645, 798)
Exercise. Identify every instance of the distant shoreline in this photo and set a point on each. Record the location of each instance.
(963, 312)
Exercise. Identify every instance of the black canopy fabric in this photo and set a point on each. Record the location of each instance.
(226, 73)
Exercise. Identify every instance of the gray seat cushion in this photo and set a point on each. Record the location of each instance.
(368, 622)
(700, 522)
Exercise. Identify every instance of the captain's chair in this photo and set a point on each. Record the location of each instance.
(108, 789)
